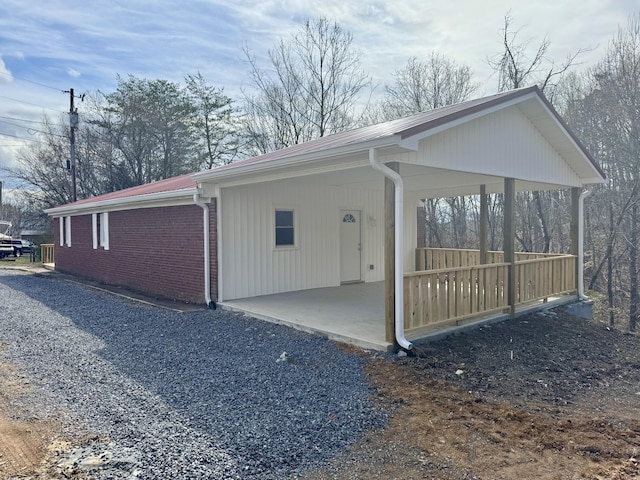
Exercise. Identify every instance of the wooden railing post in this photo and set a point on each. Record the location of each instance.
(484, 223)
(509, 240)
(575, 221)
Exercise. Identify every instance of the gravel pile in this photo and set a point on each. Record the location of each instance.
(207, 394)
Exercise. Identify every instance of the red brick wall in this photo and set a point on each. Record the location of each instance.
(153, 250)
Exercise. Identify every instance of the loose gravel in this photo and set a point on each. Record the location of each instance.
(207, 394)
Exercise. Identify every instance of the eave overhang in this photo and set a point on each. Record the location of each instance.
(311, 161)
(150, 200)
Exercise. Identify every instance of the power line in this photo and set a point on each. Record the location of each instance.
(32, 121)
(33, 104)
(20, 138)
(29, 129)
(30, 81)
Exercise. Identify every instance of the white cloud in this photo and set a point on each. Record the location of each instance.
(5, 74)
(168, 39)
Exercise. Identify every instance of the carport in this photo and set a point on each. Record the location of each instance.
(502, 144)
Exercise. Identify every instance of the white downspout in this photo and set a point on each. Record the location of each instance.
(580, 259)
(207, 252)
(399, 242)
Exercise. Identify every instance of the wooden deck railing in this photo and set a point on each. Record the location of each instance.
(464, 289)
(545, 277)
(434, 296)
(46, 253)
(436, 258)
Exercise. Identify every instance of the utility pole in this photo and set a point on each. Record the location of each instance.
(73, 123)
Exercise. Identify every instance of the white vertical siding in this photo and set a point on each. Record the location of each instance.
(250, 263)
(504, 144)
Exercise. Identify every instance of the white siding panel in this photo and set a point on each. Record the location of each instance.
(504, 144)
(251, 264)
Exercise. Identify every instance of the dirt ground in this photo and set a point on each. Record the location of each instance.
(546, 396)
(540, 397)
(27, 446)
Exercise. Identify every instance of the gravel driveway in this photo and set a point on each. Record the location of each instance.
(204, 394)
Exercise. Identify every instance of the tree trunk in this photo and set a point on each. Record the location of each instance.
(542, 217)
(634, 295)
(433, 229)
(612, 319)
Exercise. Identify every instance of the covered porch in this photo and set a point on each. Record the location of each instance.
(453, 291)
(508, 143)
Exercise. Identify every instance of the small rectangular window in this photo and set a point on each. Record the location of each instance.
(100, 227)
(68, 239)
(65, 231)
(104, 230)
(95, 229)
(284, 228)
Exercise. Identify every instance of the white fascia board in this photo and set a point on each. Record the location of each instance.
(278, 174)
(220, 176)
(149, 200)
(412, 142)
(597, 177)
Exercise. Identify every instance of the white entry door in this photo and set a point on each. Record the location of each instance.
(350, 246)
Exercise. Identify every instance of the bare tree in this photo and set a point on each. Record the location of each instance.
(11, 212)
(424, 85)
(619, 80)
(606, 115)
(520, 64)
(43, 164)
(315, 83)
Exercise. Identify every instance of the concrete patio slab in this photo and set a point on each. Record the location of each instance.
(352, 313)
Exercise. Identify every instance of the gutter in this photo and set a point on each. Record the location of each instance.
(399, 239)
(207, 250)
(580, 259)
(137, 201)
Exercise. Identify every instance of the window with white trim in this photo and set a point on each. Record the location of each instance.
(100, 227)
(65, 231)
(285, 228)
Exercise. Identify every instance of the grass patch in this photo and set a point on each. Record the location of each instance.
(18, 262)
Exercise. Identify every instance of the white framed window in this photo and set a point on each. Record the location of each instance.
(285, 227)
(100, 228)
(65, 231)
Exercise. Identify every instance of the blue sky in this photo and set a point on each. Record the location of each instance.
(51, 45)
